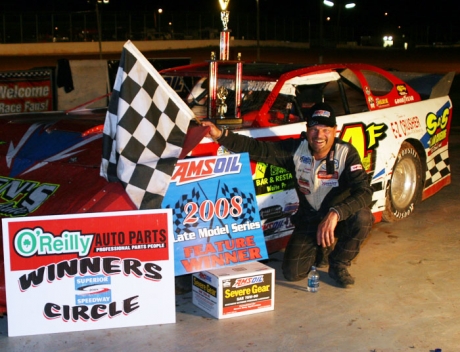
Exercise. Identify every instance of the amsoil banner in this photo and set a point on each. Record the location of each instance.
(88, 271)
(26, 91)
(215, 214)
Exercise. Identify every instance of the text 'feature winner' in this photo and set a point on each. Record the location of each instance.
(215, 214)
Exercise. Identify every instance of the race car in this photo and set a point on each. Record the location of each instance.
(399, 123)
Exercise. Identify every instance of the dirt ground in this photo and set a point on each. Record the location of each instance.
(408, 283)
(435, 60)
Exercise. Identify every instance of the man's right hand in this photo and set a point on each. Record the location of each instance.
(214, 132)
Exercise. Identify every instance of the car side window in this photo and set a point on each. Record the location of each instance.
(378, 84)
(344, 97)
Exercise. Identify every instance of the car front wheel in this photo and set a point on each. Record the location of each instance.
(405, 187)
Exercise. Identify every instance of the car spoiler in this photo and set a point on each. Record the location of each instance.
(428, 85)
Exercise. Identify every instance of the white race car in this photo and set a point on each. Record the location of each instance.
(399, 123)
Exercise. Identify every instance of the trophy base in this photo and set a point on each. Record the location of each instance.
(229, 121)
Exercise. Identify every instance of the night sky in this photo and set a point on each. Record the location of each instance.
(400, 12)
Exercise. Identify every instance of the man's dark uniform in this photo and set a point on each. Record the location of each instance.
(338, 183)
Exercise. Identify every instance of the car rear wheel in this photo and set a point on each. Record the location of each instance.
(405, 187)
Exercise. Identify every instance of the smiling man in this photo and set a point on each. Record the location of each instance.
(333, 190)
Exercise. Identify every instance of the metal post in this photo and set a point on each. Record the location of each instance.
(99, 31)
(160, 11)
(52, 26)
(212, 96)
(84, 27)
(116, 27)
(258, 31)
(70, 28)
(36, 27)
(338, 25)
(321, 14)
(20, 23)
(238, 86)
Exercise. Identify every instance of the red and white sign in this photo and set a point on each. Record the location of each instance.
(89, 271)
(26, 91)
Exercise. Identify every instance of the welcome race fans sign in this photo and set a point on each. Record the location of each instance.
(26, 91)
(89, 271)
(215, 214)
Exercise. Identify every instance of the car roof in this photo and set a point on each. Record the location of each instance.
(227, 69)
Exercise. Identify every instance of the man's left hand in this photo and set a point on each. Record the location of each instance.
(325, 233)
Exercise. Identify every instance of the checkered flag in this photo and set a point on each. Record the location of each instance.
(144, 130)
(180, 226)
(249, 203)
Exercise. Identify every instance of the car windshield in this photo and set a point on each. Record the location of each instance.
(341, 90)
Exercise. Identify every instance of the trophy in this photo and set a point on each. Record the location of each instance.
(225, 34)
(224, 14)
(217, 97)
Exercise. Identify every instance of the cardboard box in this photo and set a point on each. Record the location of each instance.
(236, 290)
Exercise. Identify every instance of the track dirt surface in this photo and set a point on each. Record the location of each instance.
(433, 60)
(408, 282)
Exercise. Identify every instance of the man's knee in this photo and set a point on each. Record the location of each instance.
(294, 270)
(292, 275)
(356, 226)
(363, 218)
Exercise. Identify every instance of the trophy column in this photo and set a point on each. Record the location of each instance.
(225, 34)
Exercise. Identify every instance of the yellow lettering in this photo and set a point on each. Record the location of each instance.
(374, 132)
(355, 136)
(237, 293)
(260, 289)
(444, 118)
(431, 123)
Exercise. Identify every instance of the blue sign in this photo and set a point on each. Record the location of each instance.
(216, 220)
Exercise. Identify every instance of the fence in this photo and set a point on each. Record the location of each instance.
(40, 27)
(117, 26)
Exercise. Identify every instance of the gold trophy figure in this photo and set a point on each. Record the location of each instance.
(224, 14)
(224, 17)
(222, 93)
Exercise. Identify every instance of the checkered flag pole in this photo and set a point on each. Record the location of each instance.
(144, 130)
(249, 201)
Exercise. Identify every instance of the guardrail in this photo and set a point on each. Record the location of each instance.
(116, 47)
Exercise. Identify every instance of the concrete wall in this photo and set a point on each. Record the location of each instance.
(116, 47)
(90, 81)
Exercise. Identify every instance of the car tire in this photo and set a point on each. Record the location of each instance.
(404, 190)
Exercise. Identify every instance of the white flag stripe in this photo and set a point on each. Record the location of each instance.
(159, 79)
(145, 115)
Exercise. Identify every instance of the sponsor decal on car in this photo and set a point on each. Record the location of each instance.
(436, 127)
(382, 103)
(401, 89)
(405, 126)
(404, 99)
(366, 139)
(22, 197)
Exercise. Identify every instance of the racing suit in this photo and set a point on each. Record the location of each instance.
(337, 183)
